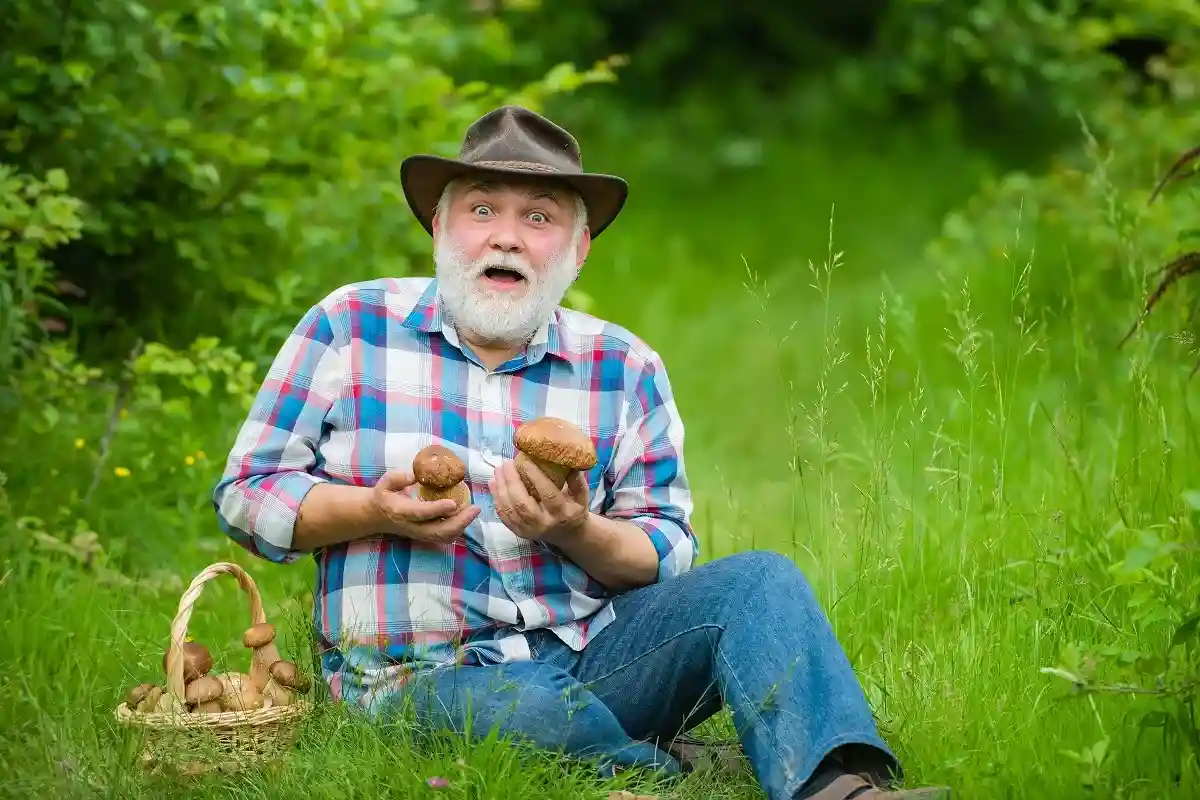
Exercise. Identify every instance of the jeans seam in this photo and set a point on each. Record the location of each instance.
(626, 664)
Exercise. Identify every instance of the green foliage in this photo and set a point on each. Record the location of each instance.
(36, 216)
(233, 154)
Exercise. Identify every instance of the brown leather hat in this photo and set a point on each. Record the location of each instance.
(513, 141)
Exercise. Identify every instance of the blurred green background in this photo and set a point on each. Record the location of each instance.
(888, 250)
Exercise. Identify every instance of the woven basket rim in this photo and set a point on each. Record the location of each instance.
(225, 720)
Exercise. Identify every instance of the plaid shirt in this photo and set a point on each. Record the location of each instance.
(371, 375)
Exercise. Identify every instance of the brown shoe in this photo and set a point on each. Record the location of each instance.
(845, 787)
(697, 755)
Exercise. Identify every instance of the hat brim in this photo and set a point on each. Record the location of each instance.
(424, 177)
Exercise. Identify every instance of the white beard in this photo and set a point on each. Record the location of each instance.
(499, 318)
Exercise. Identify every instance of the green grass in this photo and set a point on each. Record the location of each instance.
(955, 482)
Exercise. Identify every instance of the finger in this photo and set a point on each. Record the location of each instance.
(449, 529)
(523, 504)
(551, 496)
(414, 509)
(501, 497)
(444, 531)
(395, 480)
(578, 488)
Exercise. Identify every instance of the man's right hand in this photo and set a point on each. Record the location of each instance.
(407, 515)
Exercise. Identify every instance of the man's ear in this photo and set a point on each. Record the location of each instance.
(437, 222)
(585, 246)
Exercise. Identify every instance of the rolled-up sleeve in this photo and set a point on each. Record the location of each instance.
(267, 474)
(648, 482)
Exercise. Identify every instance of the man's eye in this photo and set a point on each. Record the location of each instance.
(480, 210)
(538, 216)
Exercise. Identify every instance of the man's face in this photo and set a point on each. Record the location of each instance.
(506, 254)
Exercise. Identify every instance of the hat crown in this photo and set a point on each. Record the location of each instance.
(512, 135)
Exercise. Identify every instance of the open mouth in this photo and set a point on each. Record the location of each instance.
(503, 275)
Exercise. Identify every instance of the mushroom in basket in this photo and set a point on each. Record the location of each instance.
(285, 683)
(197, 683)
(441, 475)
(272, 681)
(554, 446)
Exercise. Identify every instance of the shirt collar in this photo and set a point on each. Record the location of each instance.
(552, 338)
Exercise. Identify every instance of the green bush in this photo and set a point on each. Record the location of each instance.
(234, 158)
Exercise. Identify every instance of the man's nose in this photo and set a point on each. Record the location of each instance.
(504, 237)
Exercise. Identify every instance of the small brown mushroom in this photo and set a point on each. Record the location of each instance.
(203, 690)
(261, 638)
(555, 446)
(285, 673)
(211, 707)
(149, 702)
(196, 660)
(276, 695)
(136, 694)
(170, 704)
(440, 475)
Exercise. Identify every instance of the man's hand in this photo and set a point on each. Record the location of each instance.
(407, 515)
(558, 516)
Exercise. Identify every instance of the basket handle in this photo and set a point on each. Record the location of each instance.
(187, 602)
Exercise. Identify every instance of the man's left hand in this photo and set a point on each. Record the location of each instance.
(560, 513)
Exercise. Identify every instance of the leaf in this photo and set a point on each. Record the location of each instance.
(1186, 630)
(57, 180)
(1192, 498)
(1062, 673)
(1099, 750)
(1155, 719)
(1139, 558)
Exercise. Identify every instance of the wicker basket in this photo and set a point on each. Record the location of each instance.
(228, 740)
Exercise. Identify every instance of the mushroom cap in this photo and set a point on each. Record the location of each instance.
(259, 635)
(437, 467)
(556, 441)
(286, 674)
(137, 693)
(203, 690)
(196, 660)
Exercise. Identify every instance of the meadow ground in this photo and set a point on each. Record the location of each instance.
(957, 456)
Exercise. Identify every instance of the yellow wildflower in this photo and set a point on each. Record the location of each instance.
(79, 444)
(200, 455)
(189, 460)
(122, 472)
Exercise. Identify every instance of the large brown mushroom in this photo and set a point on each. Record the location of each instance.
(239, 693)
(440, 475)
(203, 690)
(554, 446)
(261, 639)
(196, 661)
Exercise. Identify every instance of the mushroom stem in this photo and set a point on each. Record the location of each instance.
(524, 462)
(261, 638)
(459, 493)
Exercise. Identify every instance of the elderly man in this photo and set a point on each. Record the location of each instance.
(578, 621)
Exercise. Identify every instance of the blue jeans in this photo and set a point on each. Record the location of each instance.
(744, 631)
